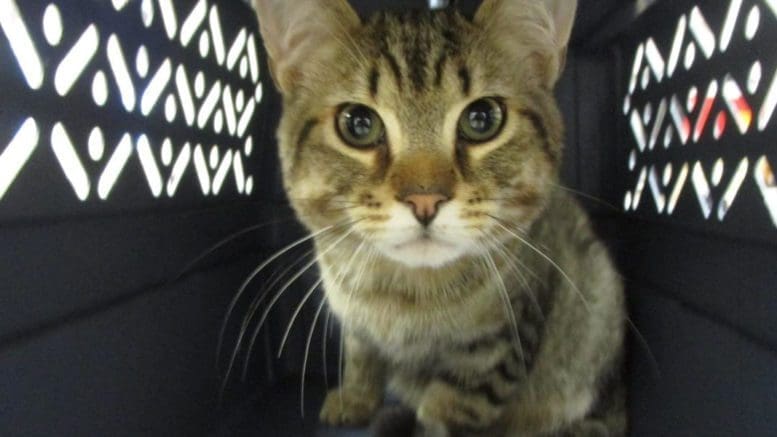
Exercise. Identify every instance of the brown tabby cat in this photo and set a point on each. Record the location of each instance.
(424, 148)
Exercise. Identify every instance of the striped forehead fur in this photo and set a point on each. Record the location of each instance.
(417, 46)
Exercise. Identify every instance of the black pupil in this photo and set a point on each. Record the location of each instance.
(481, 117)
(360, 122)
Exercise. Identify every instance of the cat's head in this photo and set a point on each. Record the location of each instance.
(429, 133)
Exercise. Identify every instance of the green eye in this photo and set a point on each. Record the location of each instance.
(359, 126)
(482, 120)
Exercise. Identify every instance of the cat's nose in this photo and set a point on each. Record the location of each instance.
(425, 206)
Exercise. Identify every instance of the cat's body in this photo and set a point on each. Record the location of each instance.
(418, 337)
(424, 150)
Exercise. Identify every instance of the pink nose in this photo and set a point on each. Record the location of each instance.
(425, 206)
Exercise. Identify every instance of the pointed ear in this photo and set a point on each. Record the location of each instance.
(562, 14)
(297, 31)
(541, 26)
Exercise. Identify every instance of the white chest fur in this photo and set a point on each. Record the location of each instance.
(408, 330)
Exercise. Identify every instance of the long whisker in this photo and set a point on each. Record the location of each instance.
(275, 279)
(340, 363)
(645, 345)
(285, 287)
(546, 258)
(508, 307)
(356, 285)
(340, 278)
(340, 209)
(257, 301)
(231, 308)
(253, 275)
(512, 260)
(225, 241)
(297, 311)
(588, 196)
(325, 340)
(320, 200)
(307, 353)
(628, 320)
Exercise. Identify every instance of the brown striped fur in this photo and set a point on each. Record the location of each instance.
(504, 316)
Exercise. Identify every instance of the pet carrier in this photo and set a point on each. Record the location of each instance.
(139, 188)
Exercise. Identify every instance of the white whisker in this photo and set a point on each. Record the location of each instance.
(343, 328)
(297, 311)
(253, 275)
(305, 358)
(548, 259)
(512, 260)
(225, 241)
(325, 340)
(276, 278)
(242, 289)
(508, 307)
(283, 289)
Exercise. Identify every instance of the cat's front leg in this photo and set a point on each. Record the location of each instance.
(361, 393)
(447, 410)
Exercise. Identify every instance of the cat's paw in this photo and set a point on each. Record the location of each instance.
(345, 408)
(444, 406)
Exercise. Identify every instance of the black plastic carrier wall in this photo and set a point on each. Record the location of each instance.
(139, 188)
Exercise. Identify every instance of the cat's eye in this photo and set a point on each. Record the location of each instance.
(482, 120)
(360, 126)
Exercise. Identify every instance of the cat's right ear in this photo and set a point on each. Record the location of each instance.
(296, 32)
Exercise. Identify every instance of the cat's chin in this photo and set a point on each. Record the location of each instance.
(423, 253)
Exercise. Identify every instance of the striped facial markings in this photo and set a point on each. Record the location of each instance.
(420, 58)
(539, 126)
(304, 134)
(374, 82)
(466, 80)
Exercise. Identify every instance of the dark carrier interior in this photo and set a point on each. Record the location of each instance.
(135, 136)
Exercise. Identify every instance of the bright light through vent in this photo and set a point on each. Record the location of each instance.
(16, 154)
(711, 116)
(96, 144)
(68, 158)
(128, 76)
(77, 60)
(764, 177)
(18, 36)
(141, 62)
(753, 23)
(52, 25)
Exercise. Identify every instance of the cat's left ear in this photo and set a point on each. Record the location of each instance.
(543, 27)
(297, 33)
(562, 13)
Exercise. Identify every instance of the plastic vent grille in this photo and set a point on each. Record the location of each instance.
(700, 114)
(131, 100)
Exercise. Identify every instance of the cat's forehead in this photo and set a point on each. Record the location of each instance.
(417, 26)
(417, 49)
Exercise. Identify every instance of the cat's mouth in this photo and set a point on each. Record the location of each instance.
(424, 243)
(423, 250)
